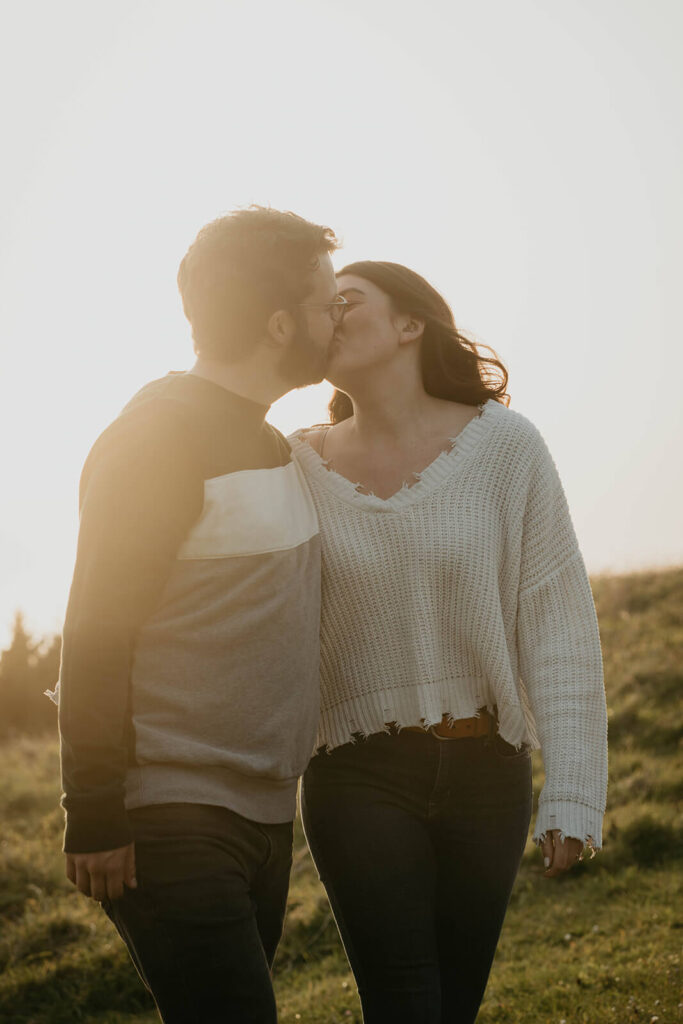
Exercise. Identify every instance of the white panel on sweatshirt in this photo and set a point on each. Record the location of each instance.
(253, 512)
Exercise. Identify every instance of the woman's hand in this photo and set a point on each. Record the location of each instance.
(559, 856)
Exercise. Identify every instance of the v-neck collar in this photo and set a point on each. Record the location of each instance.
(447, 463)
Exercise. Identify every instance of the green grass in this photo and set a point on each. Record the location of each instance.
(601, 944)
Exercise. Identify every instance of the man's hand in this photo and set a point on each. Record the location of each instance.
(558, 856)
(103, 875)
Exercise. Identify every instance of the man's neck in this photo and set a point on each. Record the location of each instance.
(241, 379)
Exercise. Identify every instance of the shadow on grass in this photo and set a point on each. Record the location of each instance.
(630, 728)
(69, 993)
(661, 687)
(42, 941)
(19, 881)
(314, 938)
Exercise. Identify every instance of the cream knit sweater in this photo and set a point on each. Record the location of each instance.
(464, 590)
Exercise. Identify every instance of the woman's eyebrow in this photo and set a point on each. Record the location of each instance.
(349, 291)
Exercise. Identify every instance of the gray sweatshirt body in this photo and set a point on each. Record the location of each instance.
(190, 653)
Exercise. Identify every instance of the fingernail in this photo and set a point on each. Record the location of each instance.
(546, 862)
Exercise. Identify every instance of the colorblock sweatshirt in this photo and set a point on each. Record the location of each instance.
(462, 591)
(190, 652)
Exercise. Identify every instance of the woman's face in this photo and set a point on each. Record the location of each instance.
(369, 331)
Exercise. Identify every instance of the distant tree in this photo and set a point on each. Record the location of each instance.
(27, 668)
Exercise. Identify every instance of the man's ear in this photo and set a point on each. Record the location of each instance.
(281, 328)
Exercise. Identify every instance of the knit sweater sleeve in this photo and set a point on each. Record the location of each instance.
(561, 662)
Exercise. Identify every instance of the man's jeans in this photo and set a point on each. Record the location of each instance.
(204, 923)
(417, 841)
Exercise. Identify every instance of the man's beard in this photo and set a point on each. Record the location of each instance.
(304, 363)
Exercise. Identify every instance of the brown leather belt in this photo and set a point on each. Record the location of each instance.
(480, 725)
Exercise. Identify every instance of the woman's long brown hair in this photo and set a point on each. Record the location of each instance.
(453, 367)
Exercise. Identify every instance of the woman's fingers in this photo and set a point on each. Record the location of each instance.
(564, 854)
(548, 850)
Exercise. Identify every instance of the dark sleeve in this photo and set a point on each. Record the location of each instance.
(141, 491)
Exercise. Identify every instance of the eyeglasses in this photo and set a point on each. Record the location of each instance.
(336, 309)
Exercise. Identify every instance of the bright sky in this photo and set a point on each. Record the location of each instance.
(525, 157)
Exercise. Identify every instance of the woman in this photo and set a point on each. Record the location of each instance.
(458, 632)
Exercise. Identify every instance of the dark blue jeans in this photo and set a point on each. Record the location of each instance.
(418, 841)
(204, 923)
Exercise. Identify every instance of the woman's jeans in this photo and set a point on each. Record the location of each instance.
(418, 841)
(203, 924)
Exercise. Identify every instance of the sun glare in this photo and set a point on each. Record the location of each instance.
(548, 215)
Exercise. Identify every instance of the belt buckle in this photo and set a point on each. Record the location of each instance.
(469, 726)
(435, 734)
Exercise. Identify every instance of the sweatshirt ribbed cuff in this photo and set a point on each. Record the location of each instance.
(94, 829)
(577, 821)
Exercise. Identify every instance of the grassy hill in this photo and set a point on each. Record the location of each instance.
(600, 945)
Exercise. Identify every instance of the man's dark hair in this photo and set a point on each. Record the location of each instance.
(241, 269)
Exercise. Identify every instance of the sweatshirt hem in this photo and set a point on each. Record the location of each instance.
(263, 800)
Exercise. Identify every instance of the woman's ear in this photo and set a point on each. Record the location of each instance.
(281, 328)
(412, 330)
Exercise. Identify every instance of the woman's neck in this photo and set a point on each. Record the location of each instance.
(389, 410)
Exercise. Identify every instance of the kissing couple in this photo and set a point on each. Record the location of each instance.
(392, 605)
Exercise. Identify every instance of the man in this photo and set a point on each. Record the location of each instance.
(189, 679)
